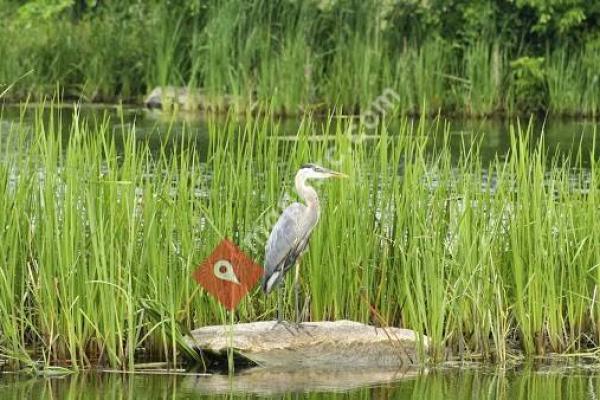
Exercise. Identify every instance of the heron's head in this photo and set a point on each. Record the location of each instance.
(313, 171)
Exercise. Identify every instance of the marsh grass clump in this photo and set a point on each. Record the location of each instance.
(100, 236)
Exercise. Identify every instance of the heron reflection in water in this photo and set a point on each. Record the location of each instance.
(290, 235)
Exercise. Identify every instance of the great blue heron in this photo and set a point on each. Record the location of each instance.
(291, 233)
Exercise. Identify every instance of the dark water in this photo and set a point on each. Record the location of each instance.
(439, 385)
(560, 135)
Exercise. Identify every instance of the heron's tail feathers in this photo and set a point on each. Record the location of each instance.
(270, 281)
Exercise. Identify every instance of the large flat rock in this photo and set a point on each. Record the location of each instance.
(339, 344)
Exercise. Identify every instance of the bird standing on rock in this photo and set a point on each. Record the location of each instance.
(290, 235)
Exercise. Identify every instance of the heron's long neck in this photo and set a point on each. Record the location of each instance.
(307, 192)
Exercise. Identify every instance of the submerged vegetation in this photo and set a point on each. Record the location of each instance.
(100, 236)
(466, 57)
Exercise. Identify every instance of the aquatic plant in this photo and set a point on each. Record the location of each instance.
(101, 235)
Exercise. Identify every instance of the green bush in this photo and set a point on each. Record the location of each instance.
(528, 83)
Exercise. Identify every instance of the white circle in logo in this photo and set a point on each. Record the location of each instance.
(224, 271)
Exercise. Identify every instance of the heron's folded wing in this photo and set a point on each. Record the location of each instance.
(285, 236)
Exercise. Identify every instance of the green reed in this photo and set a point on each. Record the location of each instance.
(101, 235)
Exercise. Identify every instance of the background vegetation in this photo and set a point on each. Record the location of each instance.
(472, 57)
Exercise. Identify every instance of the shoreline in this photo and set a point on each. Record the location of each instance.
(313, 110)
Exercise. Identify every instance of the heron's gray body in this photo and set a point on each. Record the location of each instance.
(291, 233)
(288, 240)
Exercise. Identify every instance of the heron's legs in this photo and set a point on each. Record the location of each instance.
(280, 320)
(297, 290)
(279, 304)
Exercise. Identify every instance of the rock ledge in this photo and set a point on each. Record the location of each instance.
(339, 344)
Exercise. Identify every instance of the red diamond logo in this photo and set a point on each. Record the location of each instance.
(228, 274)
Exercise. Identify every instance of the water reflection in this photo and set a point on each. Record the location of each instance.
(438, 385)
(270, 382)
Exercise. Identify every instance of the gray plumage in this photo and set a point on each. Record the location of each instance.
(290, 235)
(288, 240)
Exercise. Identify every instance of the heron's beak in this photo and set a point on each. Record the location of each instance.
(335, 174)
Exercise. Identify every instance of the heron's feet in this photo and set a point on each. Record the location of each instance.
(292, 327)
(286, 324)
(304, 328)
